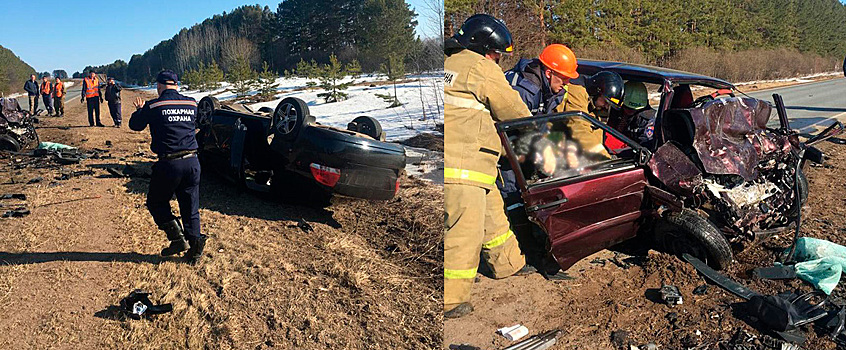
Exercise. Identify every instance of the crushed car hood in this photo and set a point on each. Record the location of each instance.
(731, 135)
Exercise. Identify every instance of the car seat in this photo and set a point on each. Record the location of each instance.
(677, 126)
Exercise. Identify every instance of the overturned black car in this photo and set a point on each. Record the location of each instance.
(17, 131)
(287, 153)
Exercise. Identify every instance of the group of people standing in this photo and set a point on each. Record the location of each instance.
(92, 96)
(50, 93)
(53, 94)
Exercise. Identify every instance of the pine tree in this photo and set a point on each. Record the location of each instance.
(354, 69)
(394, 69)
(242, 78)
(212, 75)
(331, 80)
(266, 82)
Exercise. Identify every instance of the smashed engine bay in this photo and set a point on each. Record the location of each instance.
(16, 126)
(736, 169)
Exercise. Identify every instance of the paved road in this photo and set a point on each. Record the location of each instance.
(810, 105)
(71, 96)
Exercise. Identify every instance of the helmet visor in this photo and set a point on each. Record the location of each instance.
(508, 50)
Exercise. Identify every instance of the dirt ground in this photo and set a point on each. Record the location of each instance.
(614, 291)
(355, 275)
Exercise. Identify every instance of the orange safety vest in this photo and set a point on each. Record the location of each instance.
(58, 89)
(92, 87)
(45, 88)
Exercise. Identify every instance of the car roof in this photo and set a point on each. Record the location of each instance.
(651, 74)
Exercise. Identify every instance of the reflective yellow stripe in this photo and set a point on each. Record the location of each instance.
(459, 274)
(498, 241)
(465, 103)
(453, 173)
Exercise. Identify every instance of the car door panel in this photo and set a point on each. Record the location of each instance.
(584, 209)
(598, 213)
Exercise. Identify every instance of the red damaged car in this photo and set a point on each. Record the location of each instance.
(695, 174)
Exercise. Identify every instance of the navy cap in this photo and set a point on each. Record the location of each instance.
(167, 77)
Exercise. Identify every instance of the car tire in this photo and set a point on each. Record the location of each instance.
(688, 232)
(289, 118)
(205, 109)
(368, 126)
(8, 143)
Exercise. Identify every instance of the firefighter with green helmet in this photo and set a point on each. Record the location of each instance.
(476, 95)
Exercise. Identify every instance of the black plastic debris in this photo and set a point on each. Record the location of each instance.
(620, 339)
(137, 304)
(305, 226)
(16, 213)
(69, 175)
(701, 290)
(108, 143)
(35, 180)
(463, 347)
(671, 295)
(20, 196)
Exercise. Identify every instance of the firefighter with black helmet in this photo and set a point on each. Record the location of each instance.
(476, 95)
(595, 95)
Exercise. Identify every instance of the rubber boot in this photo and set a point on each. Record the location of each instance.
(177, 241)
(195, 253)
(526, 270)
(460, 310)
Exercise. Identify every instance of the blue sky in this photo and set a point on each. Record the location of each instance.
(69, 35)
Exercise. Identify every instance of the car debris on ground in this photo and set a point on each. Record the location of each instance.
(514, 332)
(16, 210)
(137, 305)
(537, 342)
(671, 295)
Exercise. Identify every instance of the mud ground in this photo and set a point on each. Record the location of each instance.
(614, 291)
(355, 275)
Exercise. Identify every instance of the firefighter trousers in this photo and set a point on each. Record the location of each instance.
(476, 228)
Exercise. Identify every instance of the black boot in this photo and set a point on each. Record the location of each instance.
(459, 311)
(177, 241)
(195, 253)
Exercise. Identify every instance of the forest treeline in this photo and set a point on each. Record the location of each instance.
(13, 71)
(730, 39)
(369, 31)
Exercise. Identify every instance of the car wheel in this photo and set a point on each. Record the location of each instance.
(289, 117)
(8, 143)
(205, 109)
(368, 126)
(688, 232)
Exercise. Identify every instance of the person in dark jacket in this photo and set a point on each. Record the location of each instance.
(31, 88)
(113, 98)
(171, 119)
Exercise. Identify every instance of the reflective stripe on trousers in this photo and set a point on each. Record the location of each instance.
(464, 174)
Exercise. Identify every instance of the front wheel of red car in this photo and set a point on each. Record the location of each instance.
(688, 232)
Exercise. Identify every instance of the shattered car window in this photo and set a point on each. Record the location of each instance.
(561, 147)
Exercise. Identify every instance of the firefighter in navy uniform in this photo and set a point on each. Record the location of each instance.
(171, 119)
(543, 85)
